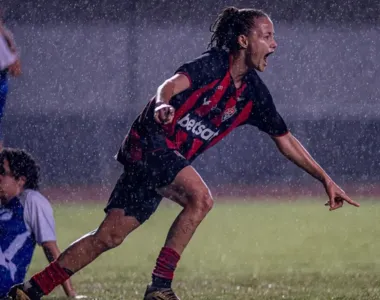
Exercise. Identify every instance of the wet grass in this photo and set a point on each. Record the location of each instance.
(241, 251)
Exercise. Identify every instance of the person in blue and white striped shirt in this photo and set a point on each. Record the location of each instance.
(26, 219)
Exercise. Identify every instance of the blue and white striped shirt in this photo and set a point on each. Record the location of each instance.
(24, 221)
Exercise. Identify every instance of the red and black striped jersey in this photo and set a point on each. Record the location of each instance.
(206, 112)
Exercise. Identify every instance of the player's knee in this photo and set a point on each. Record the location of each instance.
(108, 240)
(208, 202)
(203, 203)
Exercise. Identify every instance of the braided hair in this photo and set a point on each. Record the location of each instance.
(231, 23)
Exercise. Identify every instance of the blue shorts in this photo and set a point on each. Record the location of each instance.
(3, 98)
(135, 191)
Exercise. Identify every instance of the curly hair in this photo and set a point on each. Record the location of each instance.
(231, 23)
(21, 163)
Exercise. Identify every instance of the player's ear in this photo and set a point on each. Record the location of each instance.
(243, 41)
(21, 181)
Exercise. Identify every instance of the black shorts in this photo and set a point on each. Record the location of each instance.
(135, 190)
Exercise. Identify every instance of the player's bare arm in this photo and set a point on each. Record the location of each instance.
(164, 112)
(52, 252)
(291, 148)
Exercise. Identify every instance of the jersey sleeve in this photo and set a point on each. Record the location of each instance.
(204, 69)
(6, 56)
(39, 217)
(264, 114)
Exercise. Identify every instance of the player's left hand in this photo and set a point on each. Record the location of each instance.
(337, 196)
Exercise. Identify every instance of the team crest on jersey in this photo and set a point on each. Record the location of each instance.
(228, 113)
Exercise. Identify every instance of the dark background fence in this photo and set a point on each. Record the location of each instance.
(90, 66)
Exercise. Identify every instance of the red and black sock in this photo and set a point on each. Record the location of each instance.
(166, 264)
(44, 282)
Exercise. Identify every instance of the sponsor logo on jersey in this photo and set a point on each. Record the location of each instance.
(197, 128)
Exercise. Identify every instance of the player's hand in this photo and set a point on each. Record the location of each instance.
(163, 113)
(337, 197)
(73, 295)
(15, 68)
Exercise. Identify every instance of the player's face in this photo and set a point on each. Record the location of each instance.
(10, 187)
(261, 44)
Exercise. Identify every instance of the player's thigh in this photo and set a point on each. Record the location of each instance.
(187, 187)
(133, 197)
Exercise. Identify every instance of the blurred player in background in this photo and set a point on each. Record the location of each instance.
(26, 219)
(9, 64)
(193, 110)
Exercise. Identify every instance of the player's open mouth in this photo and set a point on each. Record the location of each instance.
(266, 57)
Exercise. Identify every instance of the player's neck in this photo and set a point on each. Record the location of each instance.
(4, 201)
(238, 69)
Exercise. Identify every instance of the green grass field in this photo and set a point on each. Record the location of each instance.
(295, 250)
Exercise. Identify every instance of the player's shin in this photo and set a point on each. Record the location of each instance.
(45, 281)
(179, 236)
(77, 256)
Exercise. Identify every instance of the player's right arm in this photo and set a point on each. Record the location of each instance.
(172, 86)
(193, 74)
(164, 112)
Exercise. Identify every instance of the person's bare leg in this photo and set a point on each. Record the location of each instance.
(110, 234)
(189, 190)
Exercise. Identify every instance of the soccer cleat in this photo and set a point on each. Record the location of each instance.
(154, 293)
(17, 293)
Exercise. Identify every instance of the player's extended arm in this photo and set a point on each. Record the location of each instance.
(291, 148)
(52, 252)
(176, 84)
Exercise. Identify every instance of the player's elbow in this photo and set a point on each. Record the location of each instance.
(284, 143)
(174, 85)
(167, 87)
